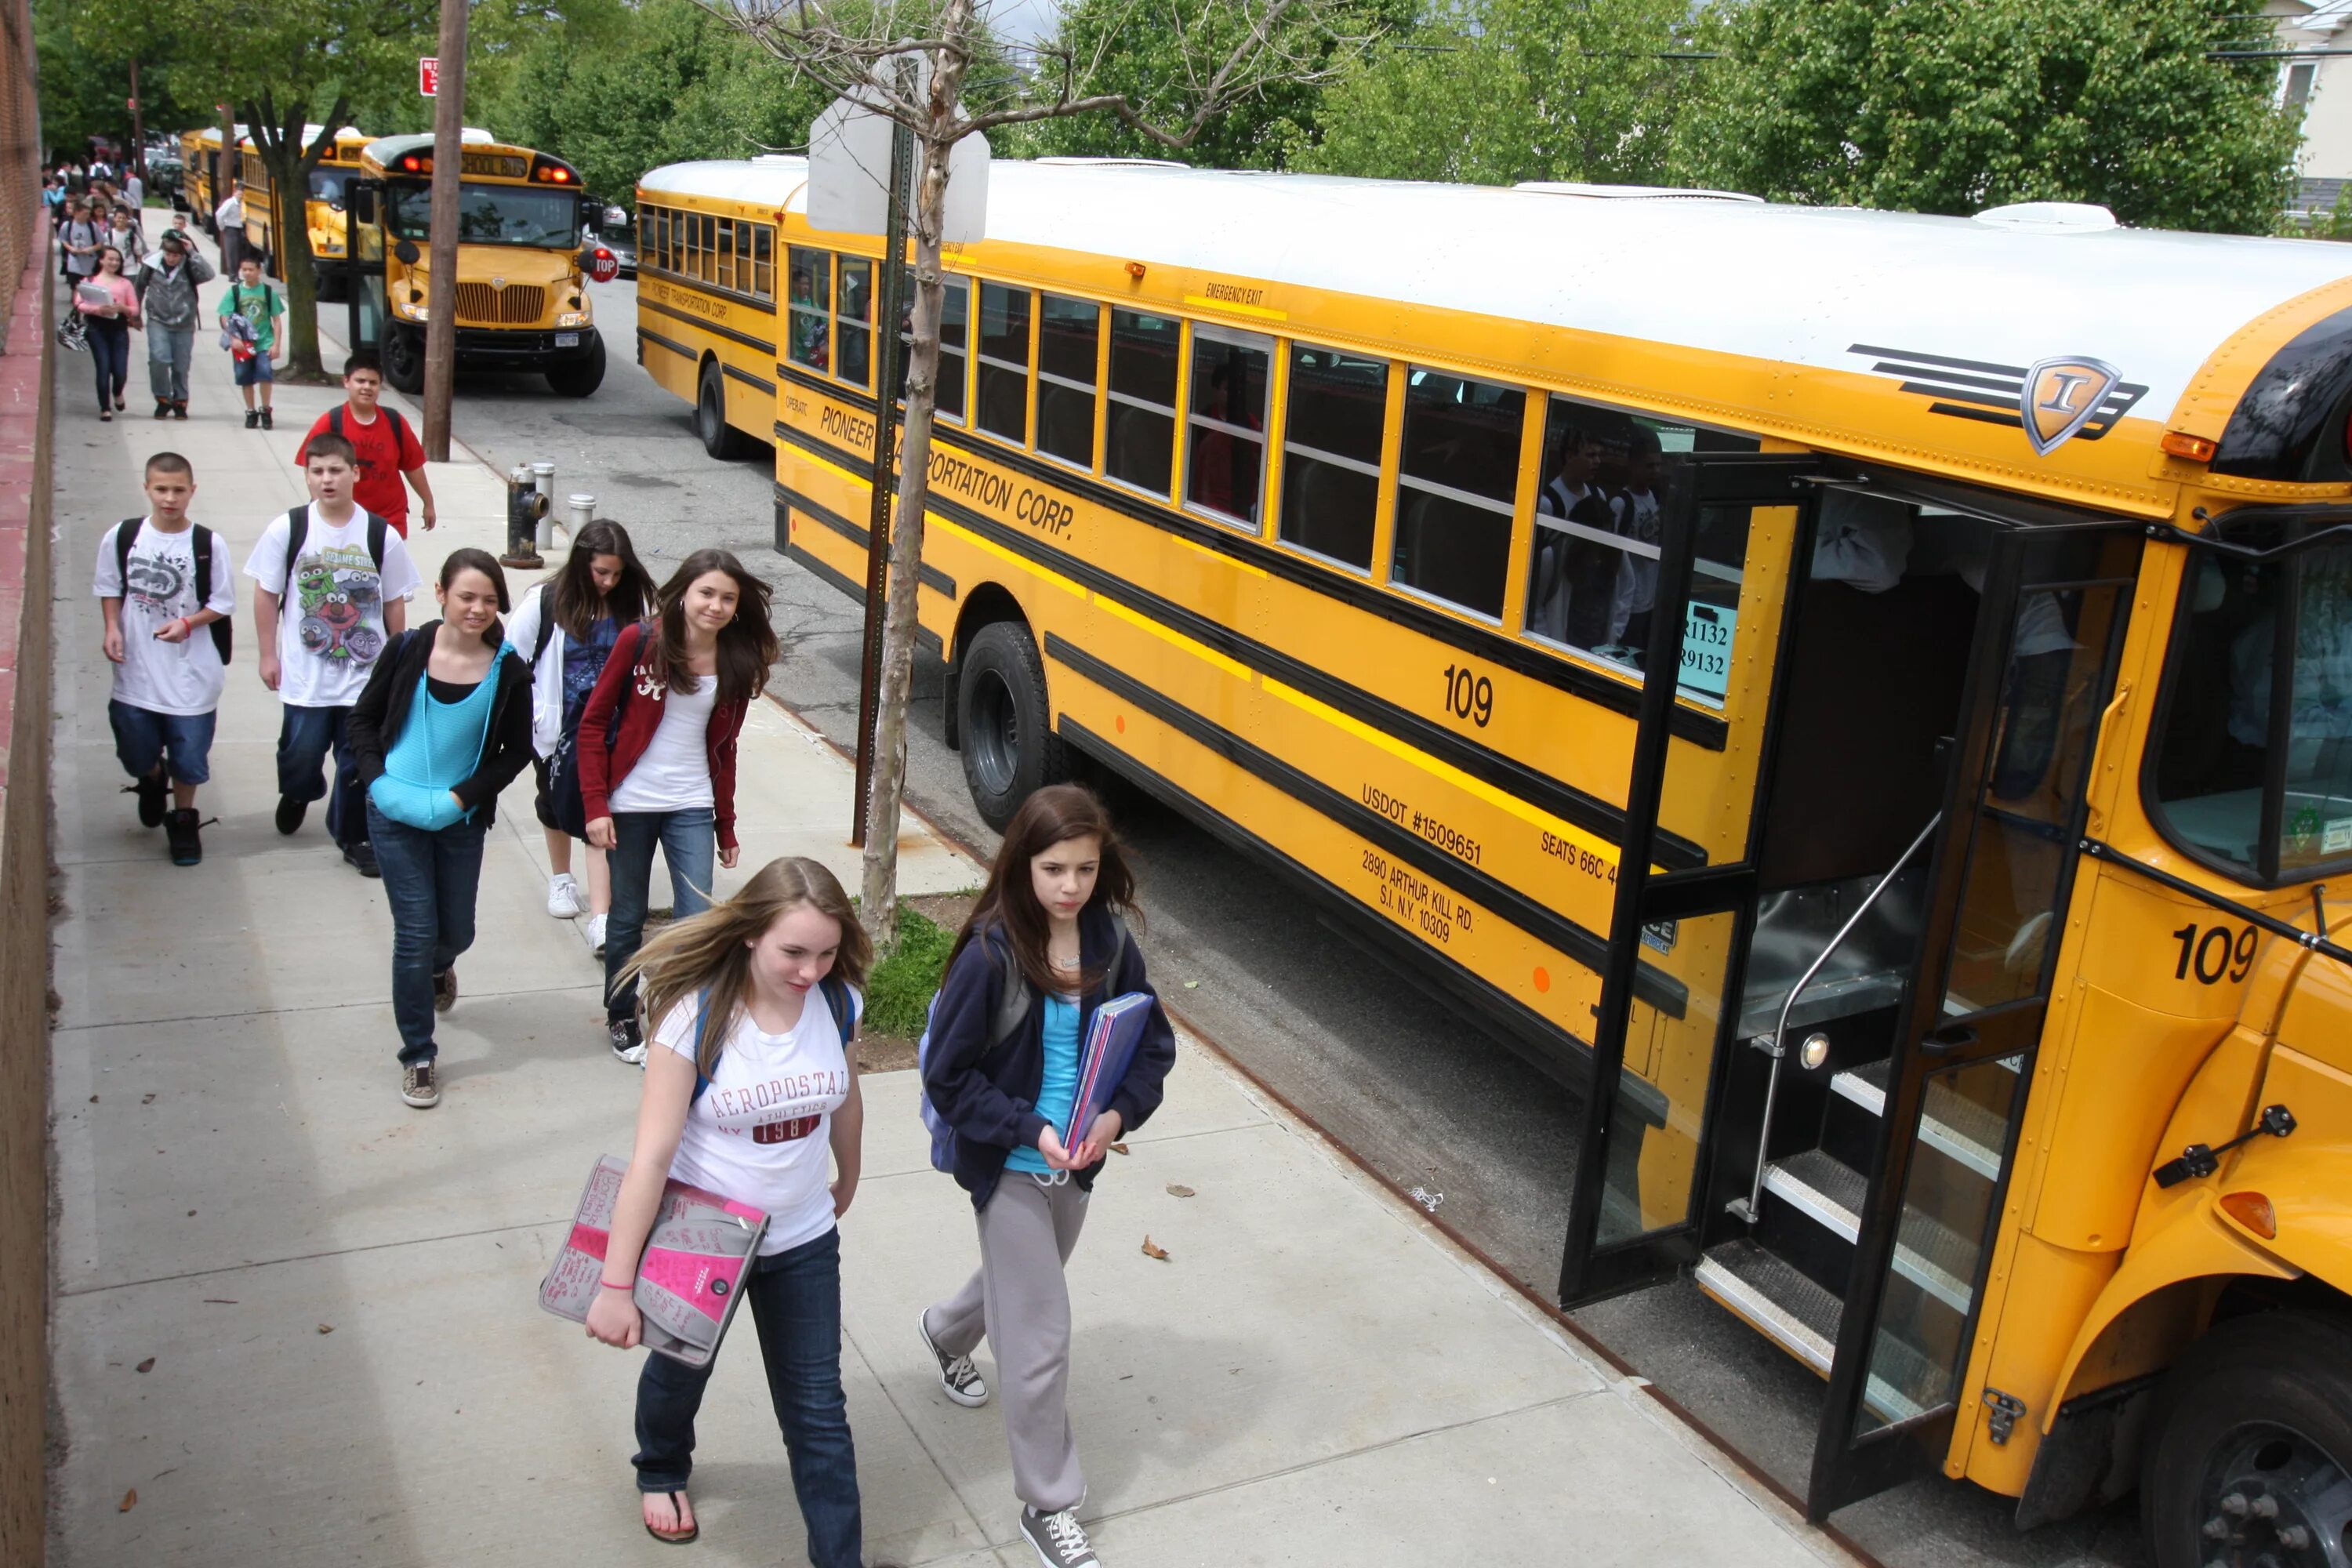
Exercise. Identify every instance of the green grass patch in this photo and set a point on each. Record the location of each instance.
(898, 993)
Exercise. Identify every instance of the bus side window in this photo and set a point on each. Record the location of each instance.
(1331, 452)
(725, 251)
(1069, 333)
(955, 309)
(1593, 556)
(1224, 441)
(853, 327)
(810, 285)
(1456, 474)
(1005, 362)
(763, 261)
(1141, 438)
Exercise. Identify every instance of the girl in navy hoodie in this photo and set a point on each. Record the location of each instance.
(1051, 926)
(656, 753)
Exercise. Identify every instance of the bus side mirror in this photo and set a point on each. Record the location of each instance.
(407, 253)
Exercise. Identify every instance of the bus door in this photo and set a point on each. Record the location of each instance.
(1679, 938)
(364, 247)
(1946, 1103)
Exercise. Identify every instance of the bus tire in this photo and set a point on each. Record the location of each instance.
(719, 439)
(2260, 1407)
(404, 360)
(583, 375)
(1002, 717)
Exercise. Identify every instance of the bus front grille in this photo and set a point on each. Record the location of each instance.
(518, 306)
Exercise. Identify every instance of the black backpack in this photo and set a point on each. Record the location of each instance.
(125, 536)
(298, 528)
(399, 425)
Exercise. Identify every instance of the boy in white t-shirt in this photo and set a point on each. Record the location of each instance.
(161, 588)
(332, 584)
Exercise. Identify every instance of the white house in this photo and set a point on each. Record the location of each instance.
(2321, 86)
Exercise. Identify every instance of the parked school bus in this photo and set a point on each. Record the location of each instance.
(522, 270)
(1945, 953)
(206, 182)
(322, 211)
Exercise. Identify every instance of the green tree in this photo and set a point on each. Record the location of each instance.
(1951, 106)
(1152, 68)
(1496, 91)
(84, 77)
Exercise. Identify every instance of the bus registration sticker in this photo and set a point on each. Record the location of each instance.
(1706, 648)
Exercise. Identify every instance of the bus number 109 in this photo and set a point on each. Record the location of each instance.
(1469, 696)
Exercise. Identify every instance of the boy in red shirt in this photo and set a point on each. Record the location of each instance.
(386, 443)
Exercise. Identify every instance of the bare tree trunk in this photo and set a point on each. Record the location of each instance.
(878, 898)
(289, 163)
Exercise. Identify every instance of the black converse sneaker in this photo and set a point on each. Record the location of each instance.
(957, 1381)
(1058, 1539)
(187, 844)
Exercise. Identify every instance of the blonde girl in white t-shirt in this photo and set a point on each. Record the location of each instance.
(749, 1105)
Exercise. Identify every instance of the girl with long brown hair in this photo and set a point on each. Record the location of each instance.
(656, 753)
(748, 1088)
(1052, 922)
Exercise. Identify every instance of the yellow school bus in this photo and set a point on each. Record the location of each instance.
(522, 270)
(324, 212)
(203, 185)
(1866, 697)
(707, 292)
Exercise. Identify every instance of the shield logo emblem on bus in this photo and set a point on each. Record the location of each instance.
(2059, 398)
(500, 283)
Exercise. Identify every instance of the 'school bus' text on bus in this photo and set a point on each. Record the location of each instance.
(1866, 696)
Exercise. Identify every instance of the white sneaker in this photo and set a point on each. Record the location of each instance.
(596, 934)
(563, 896)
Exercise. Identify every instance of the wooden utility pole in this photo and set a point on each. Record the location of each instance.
(441, 286)
(138, 127)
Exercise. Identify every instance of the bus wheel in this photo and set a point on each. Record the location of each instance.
(404, 360)
(719, 439)
(2249, 1457)
(583, 375)
(1010, 750)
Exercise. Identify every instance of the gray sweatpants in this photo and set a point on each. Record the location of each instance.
(1020, 1300)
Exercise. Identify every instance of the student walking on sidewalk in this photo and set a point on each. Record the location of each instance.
(747, 1089)
(388, 447)
(110, 310)
(1051, 923)
(331, 584)
(167, 283)
(249, 312)
(164, 587)
(566, 626)
(443, 726)
(657, 755)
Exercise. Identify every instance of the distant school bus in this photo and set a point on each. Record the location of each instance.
(522, 270)
(1866, 697)
(323, 215)
(204, 185)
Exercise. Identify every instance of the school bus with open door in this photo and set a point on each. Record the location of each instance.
(1867, 698)
(522, 270)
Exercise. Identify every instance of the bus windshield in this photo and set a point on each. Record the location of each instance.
(326, 185)
(491, 214)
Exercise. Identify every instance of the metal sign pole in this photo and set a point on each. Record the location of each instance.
(891, 287)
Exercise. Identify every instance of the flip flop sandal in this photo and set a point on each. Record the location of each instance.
(682, 1537)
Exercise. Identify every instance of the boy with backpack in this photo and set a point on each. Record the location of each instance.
(387, 446)
(330, 587)
(248, 318)
(163, 585)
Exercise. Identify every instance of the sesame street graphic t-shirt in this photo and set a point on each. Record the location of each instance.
(329, 605)
(761, 1132)
(180, 678)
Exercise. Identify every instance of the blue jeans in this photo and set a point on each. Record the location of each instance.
(169, 350)
(110, 356)
(689, 848)
(431, 880)
(303, 738)
(796, 1303)
(145, 741)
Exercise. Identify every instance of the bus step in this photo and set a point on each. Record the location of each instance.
(1781, 1304)
(1931, 1255)
(1954, 1124)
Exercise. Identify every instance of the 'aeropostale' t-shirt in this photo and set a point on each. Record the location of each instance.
(761, 1134)
(331, 614)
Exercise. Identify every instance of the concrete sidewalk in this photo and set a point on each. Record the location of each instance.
(296, 1320)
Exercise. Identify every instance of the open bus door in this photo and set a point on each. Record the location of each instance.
(363, 295)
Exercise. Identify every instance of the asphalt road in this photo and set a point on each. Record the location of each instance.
(1409, 1083)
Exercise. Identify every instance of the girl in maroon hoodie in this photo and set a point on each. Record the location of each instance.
(657, 754)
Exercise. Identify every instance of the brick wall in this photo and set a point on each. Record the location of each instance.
(26, 275)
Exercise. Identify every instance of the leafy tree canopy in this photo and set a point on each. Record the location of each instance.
(1951, 106)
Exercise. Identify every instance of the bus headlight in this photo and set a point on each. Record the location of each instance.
(414, 313)
(573, 319)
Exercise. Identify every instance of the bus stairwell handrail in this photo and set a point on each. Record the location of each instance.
(1753, 1209)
